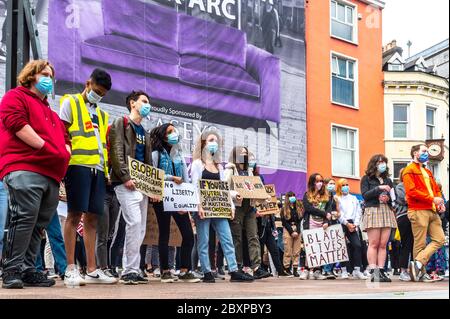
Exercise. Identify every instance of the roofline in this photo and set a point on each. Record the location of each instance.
(421, 72)
(378, 3)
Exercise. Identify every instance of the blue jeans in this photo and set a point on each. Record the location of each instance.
(222, 229)
(57, 244)
(3, 212)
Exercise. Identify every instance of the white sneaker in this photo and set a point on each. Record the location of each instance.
(358, 275)
(344, 275)
(366, 273)
(157, 273)
(51, 274)
(72, 278)
(318, 275)
(304, 275)
(173, 274)
(446, 274)
(404, 276)
(99, 277)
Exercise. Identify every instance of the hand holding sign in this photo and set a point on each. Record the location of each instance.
(146, 179)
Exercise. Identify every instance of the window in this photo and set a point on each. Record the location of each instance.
(343, 23)
(397, 167)
(434, 168)
(400, 121)
(345, 157)
(431, 114)
(344, 82)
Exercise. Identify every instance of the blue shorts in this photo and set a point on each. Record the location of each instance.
(85, 189)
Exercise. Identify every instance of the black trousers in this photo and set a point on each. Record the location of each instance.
(266, 239)
(354, 249)
(407, 241)
(117, 244)
(185, 227)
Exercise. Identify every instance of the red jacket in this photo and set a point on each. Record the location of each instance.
(417, 194)
(18, 108)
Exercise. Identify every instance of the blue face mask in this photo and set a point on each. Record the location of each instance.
(331, 188)
(93, 97)
(292, 199)
(173, 138)
(423, 158)
(382, 168)
(252, 164)
(144, 111)
(213, 147)
(45, 85)
(345, 189)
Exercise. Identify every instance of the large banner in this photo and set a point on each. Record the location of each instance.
(235, 65)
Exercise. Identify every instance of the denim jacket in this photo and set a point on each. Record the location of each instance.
(164, 160)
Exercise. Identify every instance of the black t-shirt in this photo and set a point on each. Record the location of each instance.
(209, 175)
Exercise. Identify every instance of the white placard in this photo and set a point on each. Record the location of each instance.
(181, 197)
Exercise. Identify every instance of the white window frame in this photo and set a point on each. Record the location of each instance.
(408, 117)
(355, 78)
(434, 108)
(357, 167)
(436, 171)
(354, 24)
(398, 160)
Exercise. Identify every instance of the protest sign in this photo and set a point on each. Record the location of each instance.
(268, 207)
(249, 187)
(181, 197)
(325, 247)
(147, 179)
(215, 198)
(152, 230)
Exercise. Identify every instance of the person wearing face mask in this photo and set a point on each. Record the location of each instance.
(86, 176)
(167, 156)
(425, 203)
(350, 217)
(379, 218)
(35, 152)
(128, 138)
(207, 165)
(238, 165)
(291, 216)
(317, 214)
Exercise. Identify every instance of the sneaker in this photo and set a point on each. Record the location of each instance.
(166, 277)
(99, 277)
(111, 273)
(446, 274)
(304, 274)
(52, 274)
(404, 276)
(366, 273)
(143, 273)
(197, 274)
(157, 273)
(396, 272)
(129, 279)
(36, 279)
(141, 279)
(174, 275)
(188, 277)
(318, 275)
(240, 276)
(430, 278)
(221, 272)
(12, 280)
(209, 278)
(357, 274)
(288, 273)
(344, 275)
(379, 275)
(295, 272)
(260, 274)
(282, 273)
(72, 278)
(415, 272)
(329, 275)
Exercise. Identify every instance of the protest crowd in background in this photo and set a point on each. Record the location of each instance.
(88, 201)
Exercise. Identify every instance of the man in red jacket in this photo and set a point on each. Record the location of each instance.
(424, 203)
(34, 155)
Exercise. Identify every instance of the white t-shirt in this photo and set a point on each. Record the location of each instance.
(66, 115)
(62, 209)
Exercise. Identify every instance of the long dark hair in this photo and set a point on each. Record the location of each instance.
(237, 150)
(314, 195)
(372, 168)
(158, 137)
(286, 210)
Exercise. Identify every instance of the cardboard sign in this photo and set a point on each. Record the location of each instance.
(249, 187)
(147, 179)
(181, 197)
(325, 247)
(215, 198)
(152, 230)
(265, 207)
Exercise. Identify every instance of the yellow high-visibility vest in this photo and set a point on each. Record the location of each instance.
(84, 142)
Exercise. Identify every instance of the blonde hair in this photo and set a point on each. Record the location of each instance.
(27, 75)
(339, 185)
(201, 143)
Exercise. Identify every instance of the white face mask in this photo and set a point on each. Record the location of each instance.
(93, 97)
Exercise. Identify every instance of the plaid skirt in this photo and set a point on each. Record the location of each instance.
(379, 217)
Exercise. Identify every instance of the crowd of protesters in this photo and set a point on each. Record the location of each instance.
(72, 211)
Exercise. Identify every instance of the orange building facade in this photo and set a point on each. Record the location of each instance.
(345, 112)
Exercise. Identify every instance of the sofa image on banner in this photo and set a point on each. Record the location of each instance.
(231, 64)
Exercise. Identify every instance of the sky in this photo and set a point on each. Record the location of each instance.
(423, 22)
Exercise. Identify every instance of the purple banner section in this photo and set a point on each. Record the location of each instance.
(286, 181)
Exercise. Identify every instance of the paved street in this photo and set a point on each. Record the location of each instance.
(272, 288)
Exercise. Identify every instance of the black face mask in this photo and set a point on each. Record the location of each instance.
(242, 159)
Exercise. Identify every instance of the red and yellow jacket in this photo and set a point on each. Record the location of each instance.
(417, 194)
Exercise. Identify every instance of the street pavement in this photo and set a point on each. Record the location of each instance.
(271, 288)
